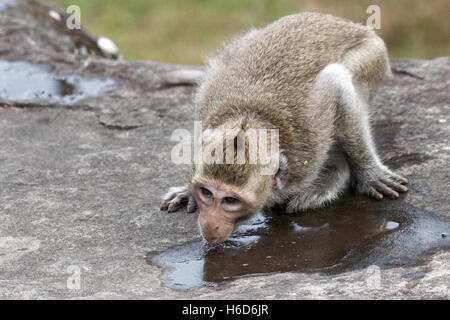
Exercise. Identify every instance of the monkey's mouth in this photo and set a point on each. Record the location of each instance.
(213, 241)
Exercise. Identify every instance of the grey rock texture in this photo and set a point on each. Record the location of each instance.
(80, 184)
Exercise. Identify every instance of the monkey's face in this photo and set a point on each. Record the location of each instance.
(222, 207)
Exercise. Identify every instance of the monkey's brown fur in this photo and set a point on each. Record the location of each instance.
(311, 76)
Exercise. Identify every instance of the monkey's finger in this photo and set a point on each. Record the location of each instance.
(167, 199)
(173, 206)
(380, 186)
(372, 192)
(192, 205)
(164, 205)
(169, 196)
(397, 177)
(176, 203)
(394, 185)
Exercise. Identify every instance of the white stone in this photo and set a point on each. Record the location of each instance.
(108, 47)
(54, 15)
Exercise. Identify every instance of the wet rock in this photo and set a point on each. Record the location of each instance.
(30, 84)
(349, 235)
(109, 154)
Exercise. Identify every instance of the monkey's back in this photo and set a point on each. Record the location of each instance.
(275, 67)
(279, 61)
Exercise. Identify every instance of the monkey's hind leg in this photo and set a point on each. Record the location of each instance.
(368, 175)
(333, 178)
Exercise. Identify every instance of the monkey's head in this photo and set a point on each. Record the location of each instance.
(230, 193)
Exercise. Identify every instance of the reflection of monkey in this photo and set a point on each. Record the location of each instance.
(311, 76)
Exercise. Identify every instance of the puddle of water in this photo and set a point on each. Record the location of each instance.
(355, 232)
(4, 4)
(23, 82)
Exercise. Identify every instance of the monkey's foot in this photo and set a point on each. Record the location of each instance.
(178, 197)
(379, 182)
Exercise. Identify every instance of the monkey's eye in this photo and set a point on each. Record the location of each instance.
(230, 200)
(205, 192)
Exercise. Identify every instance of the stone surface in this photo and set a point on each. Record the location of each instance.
(80, 184)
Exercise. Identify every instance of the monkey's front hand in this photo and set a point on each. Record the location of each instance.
(178, 197)
(378, 181)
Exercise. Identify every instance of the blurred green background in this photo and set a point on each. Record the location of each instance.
(184, 32)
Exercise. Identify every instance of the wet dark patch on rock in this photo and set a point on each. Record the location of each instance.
(353, 233)
(23, 84)
(5, 4)
(407, 160)
(414, 275)
(405, 72)
(385, 132)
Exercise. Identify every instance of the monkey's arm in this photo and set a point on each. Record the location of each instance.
(330, 183)
(176, 198)
(368, 175)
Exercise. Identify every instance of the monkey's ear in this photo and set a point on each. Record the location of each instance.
(280, 177)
